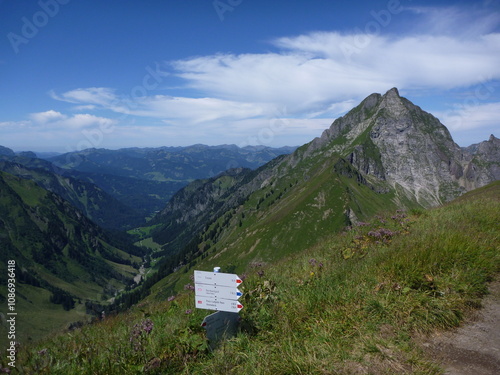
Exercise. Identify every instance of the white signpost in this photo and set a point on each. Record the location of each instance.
(218, 291)
(212, 303)
(216, 278)
(225, 292)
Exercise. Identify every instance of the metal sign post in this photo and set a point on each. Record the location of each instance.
(220, 325)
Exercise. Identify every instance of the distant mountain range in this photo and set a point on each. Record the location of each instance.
(168, 163)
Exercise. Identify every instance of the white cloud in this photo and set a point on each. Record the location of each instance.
(55, 120)
(47, 116)
(79, 121)
(14, 126)
(193, 110)
(316, 71)
(55, 131)
(471, 115)
(102, 96)
(51, 125)
(87, 107)
(458, 21)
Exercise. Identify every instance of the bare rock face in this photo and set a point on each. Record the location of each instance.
(393, 140)
(417, 151)
(485, 161)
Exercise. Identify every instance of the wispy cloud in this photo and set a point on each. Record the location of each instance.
(459, 21)
(313, 71)
(102, 96)
(477, 116)
(55, 120)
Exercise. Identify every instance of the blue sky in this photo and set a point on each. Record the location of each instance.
(76, 74)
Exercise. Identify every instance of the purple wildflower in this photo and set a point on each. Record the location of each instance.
(362, 224)
(139, 332)
(147, 326)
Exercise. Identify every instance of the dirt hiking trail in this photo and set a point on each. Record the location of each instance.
(473, 348)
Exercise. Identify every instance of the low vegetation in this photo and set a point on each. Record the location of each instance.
(352, 304)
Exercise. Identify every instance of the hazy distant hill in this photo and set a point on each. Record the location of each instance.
(6, 151)
(168, 163)
(146, 178)
(119, 188)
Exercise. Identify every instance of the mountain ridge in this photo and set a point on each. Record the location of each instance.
(136, 182)
(93, 201)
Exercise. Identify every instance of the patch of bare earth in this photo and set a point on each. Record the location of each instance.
(473, 348)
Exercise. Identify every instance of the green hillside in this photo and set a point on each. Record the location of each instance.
(65, 264)
(350, 303)
(146, 178)
(87, 197)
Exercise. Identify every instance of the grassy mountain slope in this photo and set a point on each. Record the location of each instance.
(94, 202)
(318, 198)
(352, 303)
(191, 208)
(61, 256)
(261, 216)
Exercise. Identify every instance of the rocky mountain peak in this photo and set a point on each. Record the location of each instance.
(389, 138)
(486, 154)
(392, 95)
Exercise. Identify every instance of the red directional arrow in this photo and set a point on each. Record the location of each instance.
(216, 278)
(210, 303)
